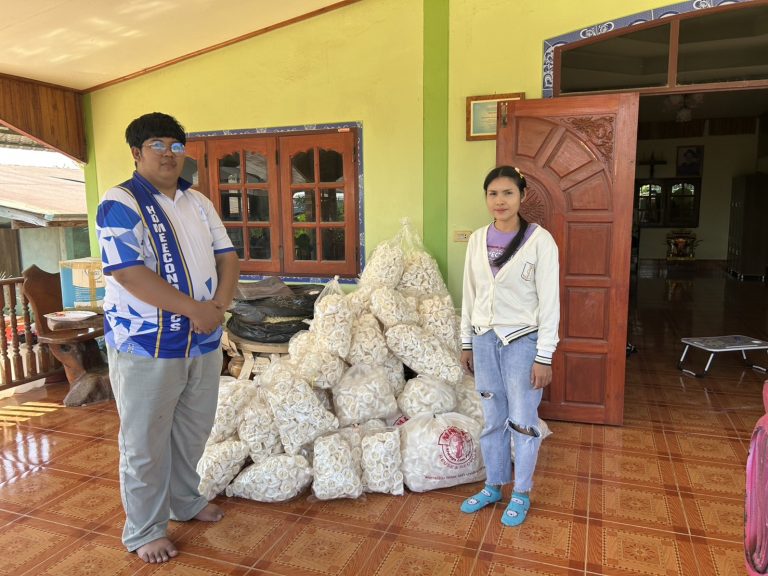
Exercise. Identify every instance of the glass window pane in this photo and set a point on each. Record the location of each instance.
(303, 167)
(259, 244)
(650, 190)
(231, 206)
(255, 167)
(305, 244)
(229, 169)
(332, 205)
(303, 205)
(190, 172)
(632, 60)
(258, 205)
(236, 235)
(333, 243)
(331, 166)
(723, 47)
(681, 209)
(684, 189)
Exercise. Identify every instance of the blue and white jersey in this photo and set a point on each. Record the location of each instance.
(176, 238)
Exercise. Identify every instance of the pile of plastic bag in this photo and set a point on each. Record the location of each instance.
(337, 412)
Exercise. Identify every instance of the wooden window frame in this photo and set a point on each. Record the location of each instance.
(674, 42)
(666, 193)
(207, 150)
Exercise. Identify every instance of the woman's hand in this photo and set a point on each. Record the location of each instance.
(467, 362)
(541, 375)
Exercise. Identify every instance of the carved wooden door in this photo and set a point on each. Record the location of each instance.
(578, 155)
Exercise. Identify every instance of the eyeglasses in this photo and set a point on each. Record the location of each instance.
(159, 147)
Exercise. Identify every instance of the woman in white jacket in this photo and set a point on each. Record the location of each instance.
(509, 322)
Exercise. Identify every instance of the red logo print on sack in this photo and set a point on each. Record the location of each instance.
(458, 448)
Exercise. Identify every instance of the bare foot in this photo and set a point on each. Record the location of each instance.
(157, 551)
(211, 513)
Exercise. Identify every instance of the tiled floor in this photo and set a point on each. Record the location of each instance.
(660, 496)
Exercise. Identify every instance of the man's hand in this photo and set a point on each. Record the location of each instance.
(541, 375)
(207, 317)
(467, 361)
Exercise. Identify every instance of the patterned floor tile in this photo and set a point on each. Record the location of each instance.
(632, 468)
(374, 511)
(744, 421)
(546, 537)
(89, 505)
(694, 420)
(497, 565)
(711, 479)
(242, 537)
(95, 424)
(570, 432)
(12, 468)
(113, 527)
(93, 554)
(404, 555)
(100, 457)
(718, 557)
(713, 517)
(436, 517)
(563, 458)
(312, 547)
(631, 440)
(187, 565)
(560, 493)
(621, 550)
(41, 448)
(640, 506)
(706, 448)
(28, 542)
(36, 487)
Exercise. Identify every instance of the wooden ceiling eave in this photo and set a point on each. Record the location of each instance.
(49, 114)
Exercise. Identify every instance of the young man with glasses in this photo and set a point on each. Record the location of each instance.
(171, 271)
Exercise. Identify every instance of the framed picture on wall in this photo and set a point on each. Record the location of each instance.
(690, 160)
(481, 114)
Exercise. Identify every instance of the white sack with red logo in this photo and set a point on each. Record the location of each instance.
(439, 451)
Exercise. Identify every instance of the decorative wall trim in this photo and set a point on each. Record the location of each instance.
(548, 68)
(361, 195)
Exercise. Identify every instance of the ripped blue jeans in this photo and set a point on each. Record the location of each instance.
(503, 379)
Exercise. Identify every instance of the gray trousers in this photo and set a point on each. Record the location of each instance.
(167, 408)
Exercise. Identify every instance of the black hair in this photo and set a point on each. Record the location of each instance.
(154, 125)
(514, 174)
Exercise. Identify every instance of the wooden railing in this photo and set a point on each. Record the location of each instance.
(20, 362)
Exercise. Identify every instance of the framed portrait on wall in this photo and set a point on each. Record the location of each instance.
(690, 160)
(481, 114)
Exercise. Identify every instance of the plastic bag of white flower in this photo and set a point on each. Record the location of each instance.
(324, 396)
(332, 323)
(420, 270)
(381, 461)
(468, 401)
(392, 307)
(363, 393)
(368, 345)
(543, 430)
(395, 373)
(219, 464)
(419, 350)
(438, 317)
(441, 451)
(385, 266)
(257, 427)
(277, 478)
(299, 416)
(336, 474)
(426, 395)
(233, 395)
(320, 368)
(360, 300)
(280, 372)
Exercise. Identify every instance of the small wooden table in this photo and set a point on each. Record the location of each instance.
(73, 343)
(716, 344)
(250, 350)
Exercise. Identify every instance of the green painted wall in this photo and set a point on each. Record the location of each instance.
(359, 63)
(497, 47)
(401, 67)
